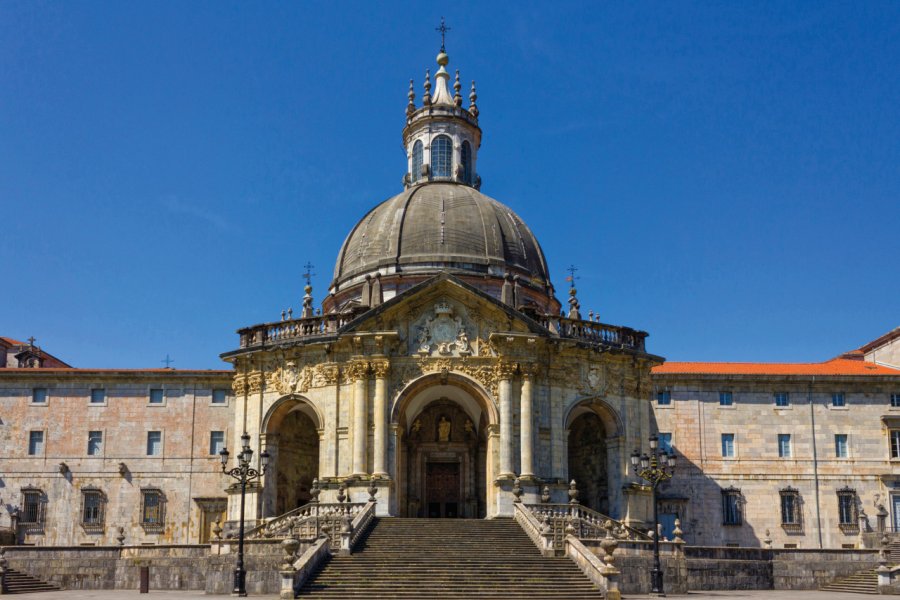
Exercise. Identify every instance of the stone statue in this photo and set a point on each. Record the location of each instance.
(444, 430)
(470, 427)
(417, 426)
(462, 340)
(424, 346)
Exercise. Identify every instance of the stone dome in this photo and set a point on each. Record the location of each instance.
(441, 226)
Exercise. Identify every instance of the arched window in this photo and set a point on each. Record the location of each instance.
(467, 163)
(441, 156)
(416, 162)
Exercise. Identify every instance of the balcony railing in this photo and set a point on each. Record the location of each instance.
(591, 332)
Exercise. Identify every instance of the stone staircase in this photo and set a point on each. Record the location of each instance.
(864, 582)
(894, 550)
(17, 582)
(448, 558)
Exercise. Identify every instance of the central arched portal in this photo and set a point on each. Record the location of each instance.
(444, 456)
(292, 438)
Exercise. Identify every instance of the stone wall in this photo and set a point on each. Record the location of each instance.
(809, 569)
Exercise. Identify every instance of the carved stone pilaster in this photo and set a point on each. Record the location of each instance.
(239, 385)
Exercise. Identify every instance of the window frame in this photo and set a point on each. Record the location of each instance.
(149, 524)
(732, 512)
(723, 395)
(664, 446)
(34, 395)
(666, 394)
(212, 397)
(848, 511)
(792, 496)
(99, 447)
(438, 157)
(104, 398)
(157, 431)
(785, 446)
(36, 498)
(34, 449)
(418, 159)
(160, 392)
(894, 443)
(732, 439)
(895, 400)
(778, 402)
(96, 521)
(846, 445)
(465, 157)
(212, 450)
(838, 404)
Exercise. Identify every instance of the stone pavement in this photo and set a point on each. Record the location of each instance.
(158, 595)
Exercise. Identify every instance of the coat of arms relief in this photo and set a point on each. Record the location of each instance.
(441, 332)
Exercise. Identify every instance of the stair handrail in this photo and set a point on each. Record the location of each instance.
(361, 523)
(582, 522)
(307, 521)
(534, 529)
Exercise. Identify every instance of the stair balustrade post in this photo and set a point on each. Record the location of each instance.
(2, 571)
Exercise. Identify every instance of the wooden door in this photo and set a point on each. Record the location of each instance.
(442, 488)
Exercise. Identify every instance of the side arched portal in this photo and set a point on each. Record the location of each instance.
(292, 437)
(593, 453)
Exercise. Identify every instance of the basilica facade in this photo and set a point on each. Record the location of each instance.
(442, 370)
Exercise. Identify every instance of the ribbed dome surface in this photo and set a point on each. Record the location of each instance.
(437, 227)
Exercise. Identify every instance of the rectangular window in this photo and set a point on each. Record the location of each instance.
(156, 396)
(216, 442)
(220, 396)
(837, 400)
(784, 445)
(92, 512)
(664, 398)
(782, 399)
(152, 509)
(726, 399)
(847, 507)
(154, 443)
(665, 442)
(790, 504)
(727, 445)
(895, 443)
(895, 400)
(731, 506)
(39, 396)
(98, 396)
(95, 442)
(840, 445)
(32, 511)
(35, 443)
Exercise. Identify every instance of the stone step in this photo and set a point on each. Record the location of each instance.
(18, 582)
(452, 559)
(864, 582)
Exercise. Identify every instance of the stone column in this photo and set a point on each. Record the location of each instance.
(505, 372)
(380, 369)
(526, 416)
(358, 372)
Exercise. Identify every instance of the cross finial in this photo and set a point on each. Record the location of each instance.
(31, 341)
(443, 29)
(168, 361)
(571, 278)
(308, 274)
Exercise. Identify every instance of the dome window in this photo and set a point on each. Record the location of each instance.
(467, 163)
(416, 161)
(441, 156)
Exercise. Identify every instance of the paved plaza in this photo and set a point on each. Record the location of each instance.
(158, 595)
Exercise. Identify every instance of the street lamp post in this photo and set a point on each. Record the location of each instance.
(245, 474)
(654, 469)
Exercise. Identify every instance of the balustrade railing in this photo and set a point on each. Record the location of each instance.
(315, 519)
(594, 332)
(559, 520)
(293, 329)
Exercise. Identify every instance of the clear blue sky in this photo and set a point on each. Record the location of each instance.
(724, 174)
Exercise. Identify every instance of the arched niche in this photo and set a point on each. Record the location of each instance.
(591, 424)
(291, 427)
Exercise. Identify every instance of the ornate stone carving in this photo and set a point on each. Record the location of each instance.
(255, 382)
(356, 370)
(325, 374)
(290, 378)
(239, 385)
(505, 370)
(381, 368)
(443, 333)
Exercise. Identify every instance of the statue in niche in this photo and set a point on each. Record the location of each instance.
(424, 345)
(444, 429)
(417, 426)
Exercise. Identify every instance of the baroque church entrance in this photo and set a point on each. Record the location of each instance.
(442, 458)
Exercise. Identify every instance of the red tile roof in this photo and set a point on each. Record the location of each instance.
(136, 371)
(833, 367)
